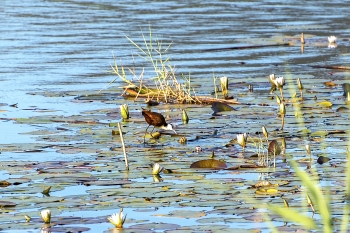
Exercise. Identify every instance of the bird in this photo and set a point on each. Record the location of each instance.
(157, 120)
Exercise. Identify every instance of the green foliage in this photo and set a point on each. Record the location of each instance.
(321, 201)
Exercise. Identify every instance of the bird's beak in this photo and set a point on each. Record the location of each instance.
(174, 131)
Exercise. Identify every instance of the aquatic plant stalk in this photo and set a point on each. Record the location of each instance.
(283, 113)
(123, 145)
(302, 39)
(346, 210)
(278, 100)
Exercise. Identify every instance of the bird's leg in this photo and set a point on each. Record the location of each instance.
(152, 131)
(144, 137)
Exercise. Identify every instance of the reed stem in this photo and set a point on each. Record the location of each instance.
(123, 145)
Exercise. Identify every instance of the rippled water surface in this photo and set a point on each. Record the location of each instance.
(51, 49)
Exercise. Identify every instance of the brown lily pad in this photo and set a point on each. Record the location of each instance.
(7, 204)
(209, 163)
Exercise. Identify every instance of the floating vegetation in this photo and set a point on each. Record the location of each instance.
(167, 86)
(79, 165)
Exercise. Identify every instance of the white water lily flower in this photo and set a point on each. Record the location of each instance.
(224, 83)
(117, 219)
(279, 82)
(242, 139)
(332, 39)
(332, 46)
(156, 169)
(272, 79)
(46, 215)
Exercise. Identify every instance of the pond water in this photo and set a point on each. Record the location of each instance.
(57, 56)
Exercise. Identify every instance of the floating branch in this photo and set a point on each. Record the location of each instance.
(246, 47)
(333, 67)
(132, 92)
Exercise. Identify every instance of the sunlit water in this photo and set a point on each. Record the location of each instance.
(58, 46)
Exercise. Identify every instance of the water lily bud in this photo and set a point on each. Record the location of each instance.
(183, 140)
(285, 203)
(156, 169)
(250, 88)
(308, 148)
(278, 99)
(283, 143)
(266, 134)
(27, 218)
(300, 85)
(118, 219)
(279, 82)
(242, 139)
(198, 149)
(46, 215)
(332, 39)
(185, 118)
(282, 109)
(124, 110)
(224, 83)
(302, 40)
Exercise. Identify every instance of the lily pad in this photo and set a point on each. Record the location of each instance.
(221, 107)
(209, 163)
(324, 104)
(65, 229)
(5, 204)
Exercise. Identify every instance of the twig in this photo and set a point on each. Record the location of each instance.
(123, 145)
(333, 67)
(246, 47)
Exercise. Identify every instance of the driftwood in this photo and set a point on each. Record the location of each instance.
(200, 99)
(246, 47)
(333, 67)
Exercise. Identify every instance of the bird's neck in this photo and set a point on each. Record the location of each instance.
(165, 126)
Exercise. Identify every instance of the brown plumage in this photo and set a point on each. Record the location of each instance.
(157, 120)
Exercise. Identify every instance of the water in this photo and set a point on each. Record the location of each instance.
(57, 46)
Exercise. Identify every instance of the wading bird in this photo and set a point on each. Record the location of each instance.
(157, 120)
